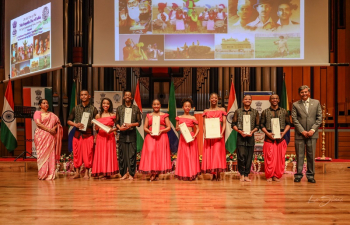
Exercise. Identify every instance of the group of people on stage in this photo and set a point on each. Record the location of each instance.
(155, 158)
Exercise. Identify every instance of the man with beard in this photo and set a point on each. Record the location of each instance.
(83, 140)
(162, 17)
(156, 52)
(128, 51)
(220, 19)
(133, 11)
(284, 13)
(172, 14)
(127, 138)
(244, 11)
(264, 20)
(145, 17)
(274, 147)
(203, 16)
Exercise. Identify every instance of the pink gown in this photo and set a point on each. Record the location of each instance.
(105, 158)
(187, 163)
(155, 156)
(214, 151)
(48, 146)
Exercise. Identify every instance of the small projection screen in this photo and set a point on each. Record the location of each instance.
(34, 37)
(210, 33)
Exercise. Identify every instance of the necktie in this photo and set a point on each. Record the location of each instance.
(306, 106)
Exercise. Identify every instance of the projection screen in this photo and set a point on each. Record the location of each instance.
(210, 33)
(34, 37)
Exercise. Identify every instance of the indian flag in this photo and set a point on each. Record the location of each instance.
(8, 121)
(31, 97)
(172, 134)
(140, 134)
(230, 134)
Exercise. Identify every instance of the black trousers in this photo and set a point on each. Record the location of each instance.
(244, 159)
(127, 158)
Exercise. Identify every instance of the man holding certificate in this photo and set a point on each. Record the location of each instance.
(246, 122)
(83, 141)
(275, 123)
(128, 117)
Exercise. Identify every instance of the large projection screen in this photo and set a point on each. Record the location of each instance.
(204, 33)
(33, 37)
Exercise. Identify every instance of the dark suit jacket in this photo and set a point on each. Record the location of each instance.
(304, 121)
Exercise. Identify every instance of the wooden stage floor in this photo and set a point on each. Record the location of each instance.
(26, 200)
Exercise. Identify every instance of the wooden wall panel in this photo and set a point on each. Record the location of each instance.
(323, 86)
(307, 76)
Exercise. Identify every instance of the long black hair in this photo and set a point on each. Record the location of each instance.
(110, 110)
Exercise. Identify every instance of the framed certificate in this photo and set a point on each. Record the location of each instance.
(127, 115)
(85, 120)
(212, 128)
(246, 124)
(101, 125)
(276, 129)
(186, 133)
(155, 125)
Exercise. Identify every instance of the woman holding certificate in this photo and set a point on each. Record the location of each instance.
(187, 166)
(105, 162)
(214, 151)
(246, 122)
(155, 156)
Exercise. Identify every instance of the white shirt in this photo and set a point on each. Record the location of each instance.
(160, 16)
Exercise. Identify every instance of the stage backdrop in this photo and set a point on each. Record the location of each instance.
(31, 97)
(260, 101)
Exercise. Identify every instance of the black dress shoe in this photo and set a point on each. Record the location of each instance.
(297, 180)
(311, 180)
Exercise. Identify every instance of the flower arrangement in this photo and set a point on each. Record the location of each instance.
(173, 156)
(200, 158)
(231, 157)
(138, 157)
(258, 157)
(67, 163)
(290, 158)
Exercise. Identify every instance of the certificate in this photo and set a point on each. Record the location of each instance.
(186, 132)
(155, 125)
(127, 115)
(212, 128)
(246, 124)
(85, 120)
(101, 125)
(276, 129)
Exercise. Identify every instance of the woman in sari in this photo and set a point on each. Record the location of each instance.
(48, 141)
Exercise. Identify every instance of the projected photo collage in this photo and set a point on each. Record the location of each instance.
(30, 42)
(159, 30)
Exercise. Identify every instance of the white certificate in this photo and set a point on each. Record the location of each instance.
(186, 132)
(155, 125)
(276, 129)
(212, 128)
(85, 120)
(127, 116)
(101, 125)
(246, 124)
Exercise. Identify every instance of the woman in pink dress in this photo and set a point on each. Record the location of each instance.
(211, 21)
(180, 23)
(155, 156)
(47, 140)
(214, 151)
(105, 164)
(187, 163)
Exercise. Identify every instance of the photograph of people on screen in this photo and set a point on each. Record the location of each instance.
(264, 16)
(141, 47)
(195, 46)
(189, 16)
(135, 17)
(234, 46)
(41, 44)
(275, 45)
